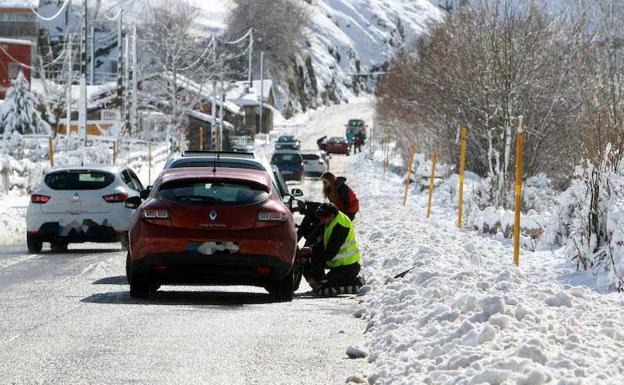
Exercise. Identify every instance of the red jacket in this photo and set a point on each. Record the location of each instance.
(344, 198)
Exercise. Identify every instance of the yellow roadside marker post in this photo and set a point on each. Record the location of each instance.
(434, 157)
(518, 214)
(114, 152)
(462, 166)
(410, 166)
(201, 138)
(51, 150)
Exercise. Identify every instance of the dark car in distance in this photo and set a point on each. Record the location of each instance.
(287, 142)
(290, 164)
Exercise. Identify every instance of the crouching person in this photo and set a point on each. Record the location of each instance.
(338, 251)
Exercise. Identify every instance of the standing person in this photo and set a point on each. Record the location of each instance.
(336, 190)
(337, 251)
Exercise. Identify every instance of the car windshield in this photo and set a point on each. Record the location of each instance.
(286, 158)
(311, 156)
(356, 123)
(79, 180)
(214, 192)
(286, 139)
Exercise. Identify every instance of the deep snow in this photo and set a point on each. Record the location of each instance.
(465, 314)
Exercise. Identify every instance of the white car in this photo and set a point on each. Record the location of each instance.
(314, 163)
(81, 204)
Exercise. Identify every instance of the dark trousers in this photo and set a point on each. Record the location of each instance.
(338, 276)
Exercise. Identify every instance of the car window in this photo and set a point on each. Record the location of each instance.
(310, 156)
(283, 139)
(286, 158)
(130, 178)
(78, 180)
(213, 192)
(221, 163)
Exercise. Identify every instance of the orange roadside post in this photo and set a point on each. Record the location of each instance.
(51, 150)
(434, 157)
(462, 166)
(410, 167)
(201, 138)
(518, 213)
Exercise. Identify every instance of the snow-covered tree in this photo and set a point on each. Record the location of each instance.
(18, 114)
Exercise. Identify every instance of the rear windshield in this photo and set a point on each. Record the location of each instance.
(310, 156)
(213, 192)
(79, 180)
(220, 163)
(285, 139)
(286, 158)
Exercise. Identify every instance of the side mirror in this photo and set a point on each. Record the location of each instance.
(296, 192)
(133, 202)
(145, 193)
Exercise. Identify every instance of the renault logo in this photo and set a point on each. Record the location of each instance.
(76, 195)
(213, 215)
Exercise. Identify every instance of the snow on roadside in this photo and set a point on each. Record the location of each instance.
(465, 314)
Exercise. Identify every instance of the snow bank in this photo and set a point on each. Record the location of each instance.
(465, 314)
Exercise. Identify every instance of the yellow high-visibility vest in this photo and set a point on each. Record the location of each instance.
(349, 252)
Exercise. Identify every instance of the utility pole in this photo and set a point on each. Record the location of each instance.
(221, 116)
(120, 65)
(83, 72)
(213, 126)
(250, 57)
(135, 75)
(261, 91)
(127, 85)
(70, 71)
(92, 54)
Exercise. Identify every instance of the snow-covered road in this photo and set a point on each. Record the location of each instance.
(68, 318)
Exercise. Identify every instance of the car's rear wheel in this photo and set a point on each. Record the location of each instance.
(298, 274)
(283, 290)
(58, 246)
(34, 243)
(140, 286)
(128, 267)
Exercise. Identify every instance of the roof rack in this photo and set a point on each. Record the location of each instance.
(222, 154)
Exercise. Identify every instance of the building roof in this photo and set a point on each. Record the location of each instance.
(7, 40)
(208, 119)
(243, 95)
(19, 4)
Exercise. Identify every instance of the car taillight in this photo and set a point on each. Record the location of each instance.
(40, 199)
(115, 198)
(272, 216)
(321, 161)
(154, 214)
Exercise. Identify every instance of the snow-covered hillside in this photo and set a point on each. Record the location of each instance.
(359, 36)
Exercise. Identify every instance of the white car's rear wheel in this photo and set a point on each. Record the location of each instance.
(34, 244)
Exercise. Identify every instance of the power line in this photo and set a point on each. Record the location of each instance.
(51, 17)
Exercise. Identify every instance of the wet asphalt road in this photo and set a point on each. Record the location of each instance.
(69, 319)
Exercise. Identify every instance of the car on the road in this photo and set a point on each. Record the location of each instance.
(241, 160)
(287, 142)
(314, 163)
(81, 204)
(290, 164)
(205, 225)
(337, 145)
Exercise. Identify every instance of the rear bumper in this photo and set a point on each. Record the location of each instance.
(193, 268)
(87, 231)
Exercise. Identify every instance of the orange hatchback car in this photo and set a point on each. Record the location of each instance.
(212, 226)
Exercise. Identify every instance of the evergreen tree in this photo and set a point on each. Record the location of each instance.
(18, 113)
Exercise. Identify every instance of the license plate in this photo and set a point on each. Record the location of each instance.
(213, 247)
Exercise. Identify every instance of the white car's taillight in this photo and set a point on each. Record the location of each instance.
(39, 199)
(115, 198)
(272, 216)
(154, 214)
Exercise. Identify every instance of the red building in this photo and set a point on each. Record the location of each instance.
(13, 53)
